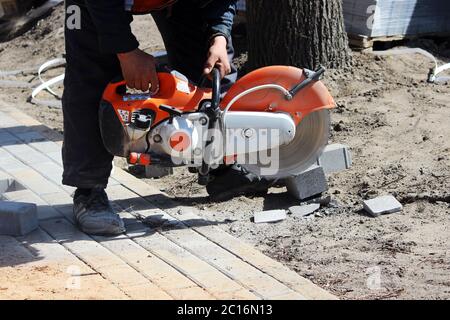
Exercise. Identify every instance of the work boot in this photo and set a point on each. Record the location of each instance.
(94, 214)
(235, 181)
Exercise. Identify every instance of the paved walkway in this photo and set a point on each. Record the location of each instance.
(168, 252)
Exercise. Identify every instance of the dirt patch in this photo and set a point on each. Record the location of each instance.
(397, 126)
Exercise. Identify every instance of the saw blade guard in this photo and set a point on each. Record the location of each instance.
(312, 98)
(309, 108)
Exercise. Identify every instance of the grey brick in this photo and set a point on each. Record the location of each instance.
(44, 211)
(308, 184)
(335, 158)
(269, 216)
(17, 218)
(382, 205)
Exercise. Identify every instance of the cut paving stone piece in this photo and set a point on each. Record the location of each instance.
(382, 205)
(17, 218)
(335, 158)
(307, 184)
(269, 216)
(305, 210)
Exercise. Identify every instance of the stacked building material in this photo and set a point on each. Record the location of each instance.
(384, 18)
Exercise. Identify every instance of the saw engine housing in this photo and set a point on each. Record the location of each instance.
(184, 124)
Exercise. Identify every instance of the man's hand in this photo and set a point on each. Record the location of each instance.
(218, 57)
(139, 71)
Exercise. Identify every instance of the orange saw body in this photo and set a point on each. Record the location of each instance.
(182, 122)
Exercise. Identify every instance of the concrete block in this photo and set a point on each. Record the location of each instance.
(305, 210)
(335, 158)
(269, 216)
(308, 184)
(17, 218)
(382, 205)
(44, 211)
(155, 171)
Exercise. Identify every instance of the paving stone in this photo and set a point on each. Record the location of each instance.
(273, 268)
(30, 136)
(35, 182)
(50, 170)
(305, 210)
(11, 164)
(46, 146)
(308, 184)
(155, 269)
(146, 292)
(260, 283)
(269, 216)
(80, 244)
(194, 293)
(55, 156)
(173, 254)
(17, 218)
(13, 252)
(382, 205)
(7, 138)
(26, 154)
(335, 158)
(44, 210)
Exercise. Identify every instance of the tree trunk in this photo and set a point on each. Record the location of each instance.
(302, 33)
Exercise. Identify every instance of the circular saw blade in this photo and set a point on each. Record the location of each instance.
(292, 159)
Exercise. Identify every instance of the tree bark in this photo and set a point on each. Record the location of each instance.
(302, 33)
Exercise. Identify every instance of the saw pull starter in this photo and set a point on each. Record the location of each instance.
(274, 122)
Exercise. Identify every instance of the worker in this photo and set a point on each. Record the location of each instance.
(196, 34)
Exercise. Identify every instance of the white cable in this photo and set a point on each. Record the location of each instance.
(437, 69)
(45, 86)
(47, 65)
(251, 90)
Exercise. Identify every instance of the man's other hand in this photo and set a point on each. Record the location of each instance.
(139, 70)
(218, 57)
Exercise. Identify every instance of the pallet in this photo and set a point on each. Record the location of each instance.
(366, 43)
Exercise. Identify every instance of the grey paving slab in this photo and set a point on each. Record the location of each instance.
(30, 136)
(335, 158)
(304, 210)
(382, 205)
(269, 216)
(17, 218)
(35, 181)
(25, 153)
(307, 184)
(44, 210)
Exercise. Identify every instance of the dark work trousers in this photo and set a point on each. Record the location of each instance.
(87, 163)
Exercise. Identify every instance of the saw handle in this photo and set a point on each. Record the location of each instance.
(311, 77)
